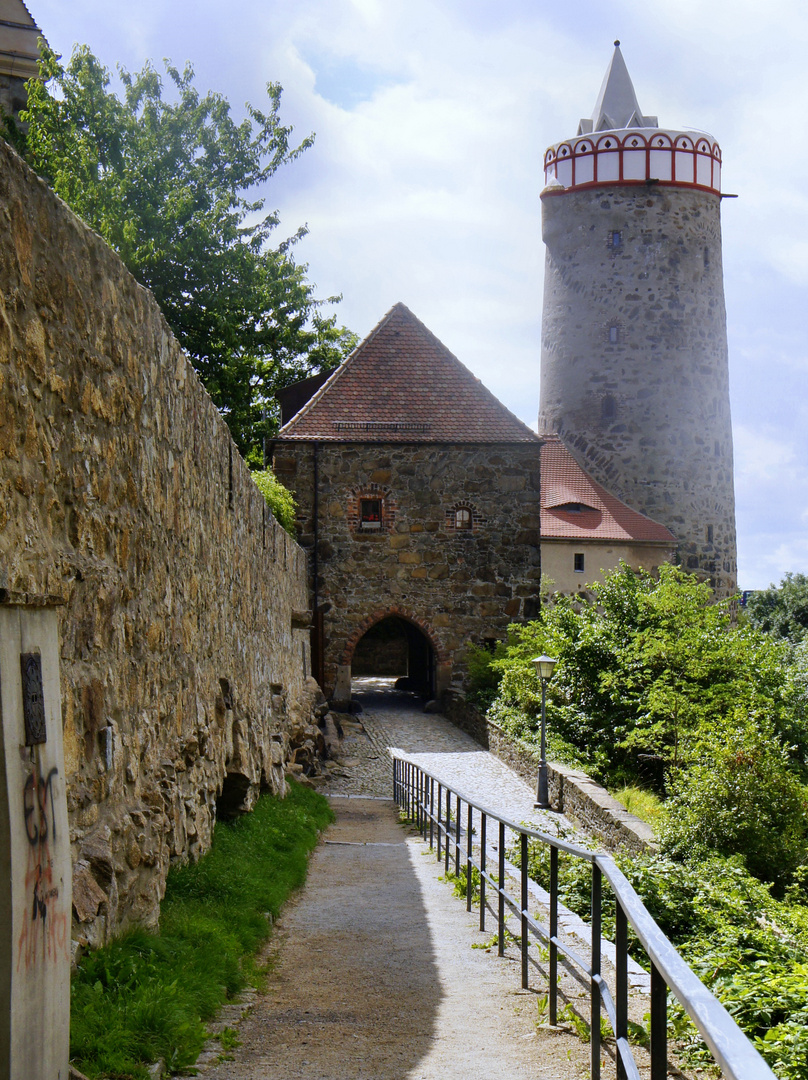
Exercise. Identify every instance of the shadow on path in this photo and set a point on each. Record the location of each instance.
(355, 990)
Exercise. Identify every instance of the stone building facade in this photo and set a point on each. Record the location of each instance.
(19, 51)
(634, 373)
(418, 496)
(182, 604)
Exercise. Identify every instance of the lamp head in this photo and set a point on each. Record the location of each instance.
(544, 666)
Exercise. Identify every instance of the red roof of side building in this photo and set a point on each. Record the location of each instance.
(403, 385)
(576, 507)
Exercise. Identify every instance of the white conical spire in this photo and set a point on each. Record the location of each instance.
(617, 105)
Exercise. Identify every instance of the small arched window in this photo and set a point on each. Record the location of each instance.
(462, 518)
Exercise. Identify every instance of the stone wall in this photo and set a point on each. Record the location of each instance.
(456, 585)
(182, 603)
(571, 791)
(634, 373)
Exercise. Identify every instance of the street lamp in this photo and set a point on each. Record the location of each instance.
(544, 669)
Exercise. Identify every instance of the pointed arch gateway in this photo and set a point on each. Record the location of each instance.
(395, 641)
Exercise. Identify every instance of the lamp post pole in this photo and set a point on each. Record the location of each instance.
(544, 669)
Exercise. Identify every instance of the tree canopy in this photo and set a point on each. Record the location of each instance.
(782, 611)
(172, 184)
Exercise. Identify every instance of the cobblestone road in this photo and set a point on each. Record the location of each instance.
(390, 720)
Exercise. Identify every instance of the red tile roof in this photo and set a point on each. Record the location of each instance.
(403, 385)
(576, 507)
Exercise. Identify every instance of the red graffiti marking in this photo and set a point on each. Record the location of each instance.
(44, 934)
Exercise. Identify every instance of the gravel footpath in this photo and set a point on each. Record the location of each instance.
(372, 971)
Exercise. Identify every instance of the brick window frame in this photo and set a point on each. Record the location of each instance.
(378, 494)
(476, 520)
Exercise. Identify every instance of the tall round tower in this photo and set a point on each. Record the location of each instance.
(634, 369)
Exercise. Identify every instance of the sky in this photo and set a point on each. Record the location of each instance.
(431, 118)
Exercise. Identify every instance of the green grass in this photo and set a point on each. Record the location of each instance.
(147, 996)
(643, 804)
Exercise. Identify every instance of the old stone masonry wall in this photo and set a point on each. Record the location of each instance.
(124, 501)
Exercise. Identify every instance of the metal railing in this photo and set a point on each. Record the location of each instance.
(437, 811)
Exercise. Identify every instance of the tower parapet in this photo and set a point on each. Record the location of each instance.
(635, 375)
(619, 145)
(683, 158)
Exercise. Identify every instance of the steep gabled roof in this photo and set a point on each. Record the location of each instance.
(18, 40)
(403, 385)
(576, 507)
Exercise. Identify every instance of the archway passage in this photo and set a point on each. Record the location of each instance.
(396, 648)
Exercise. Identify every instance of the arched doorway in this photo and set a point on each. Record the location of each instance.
(395, 648)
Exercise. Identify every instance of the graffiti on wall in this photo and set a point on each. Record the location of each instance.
(44, 934)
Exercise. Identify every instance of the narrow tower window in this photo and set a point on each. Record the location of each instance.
(706, 258)
(370, 513)
(709, 534)
(614, 335)
(608, 408)
(615, 240)
(578, 562)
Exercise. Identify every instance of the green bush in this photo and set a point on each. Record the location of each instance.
(740, 798)
(279, 499)
(147, 996)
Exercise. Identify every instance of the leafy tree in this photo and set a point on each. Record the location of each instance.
(782, 611)
(652, 667)
(170, 185)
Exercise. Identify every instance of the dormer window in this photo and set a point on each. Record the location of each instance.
(370, 514)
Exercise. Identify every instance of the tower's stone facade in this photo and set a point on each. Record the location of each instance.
(634, 350)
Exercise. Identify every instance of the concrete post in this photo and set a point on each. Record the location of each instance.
(35, 881)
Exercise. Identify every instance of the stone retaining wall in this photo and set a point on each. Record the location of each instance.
(571, 791)
(182, 603)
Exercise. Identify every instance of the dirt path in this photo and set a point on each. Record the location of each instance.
(373, 974)
(374, 977)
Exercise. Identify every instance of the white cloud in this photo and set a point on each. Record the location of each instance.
(432, 117)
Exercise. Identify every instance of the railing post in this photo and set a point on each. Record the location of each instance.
(469, 823)
(523, 860)
(483, 823)
(448, 827)
(395, 781)
(594, 1014)
(659, 1025)
(621, 982)
(553, 992)
(501, 891)
(457, 837)
(431, 812)
(440, 818)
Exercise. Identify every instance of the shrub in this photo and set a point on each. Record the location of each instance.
(740, 798)
(279, 499)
